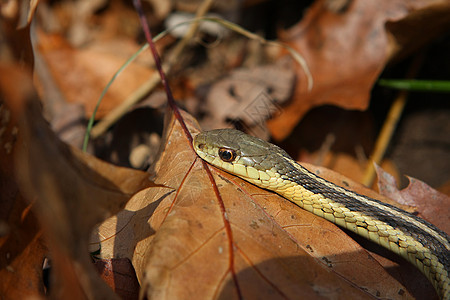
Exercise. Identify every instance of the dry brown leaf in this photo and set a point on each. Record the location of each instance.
(81, 74)
(15, 32)
(183, 245)
(71, 191)
(445, 188)
(22, 249)
(20, 12)
(347, 50)
(249, 96)
(120, 276)
(429, 203)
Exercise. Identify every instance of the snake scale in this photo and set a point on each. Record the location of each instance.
(270, 167)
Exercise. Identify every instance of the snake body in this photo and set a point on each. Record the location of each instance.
(270, 167)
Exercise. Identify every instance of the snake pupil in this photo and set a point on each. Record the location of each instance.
(227, 155)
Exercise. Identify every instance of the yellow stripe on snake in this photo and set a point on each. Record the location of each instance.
(270, 167)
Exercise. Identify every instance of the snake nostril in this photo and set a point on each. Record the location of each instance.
(201, 146)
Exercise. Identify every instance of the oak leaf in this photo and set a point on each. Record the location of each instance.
(242, 242)
(429, 203)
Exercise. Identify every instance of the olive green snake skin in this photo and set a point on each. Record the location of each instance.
(270, 167)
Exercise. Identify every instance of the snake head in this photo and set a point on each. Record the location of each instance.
(238, 153)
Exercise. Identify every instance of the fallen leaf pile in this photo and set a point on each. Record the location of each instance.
(183, 229)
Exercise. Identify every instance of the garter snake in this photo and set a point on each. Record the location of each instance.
(270, 167)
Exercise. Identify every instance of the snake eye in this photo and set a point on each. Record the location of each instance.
(227, 155)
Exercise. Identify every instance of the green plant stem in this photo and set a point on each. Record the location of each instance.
(416, 85)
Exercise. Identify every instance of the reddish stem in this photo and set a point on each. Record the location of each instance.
(170, 100)
(174, 107)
